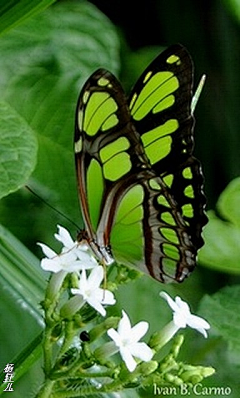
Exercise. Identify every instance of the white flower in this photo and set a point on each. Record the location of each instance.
(182, 316)
(64, 237)
(80, 249)
(73, 257)
(126, 339)
(91, 292)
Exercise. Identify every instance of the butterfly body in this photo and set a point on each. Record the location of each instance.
(140, 187)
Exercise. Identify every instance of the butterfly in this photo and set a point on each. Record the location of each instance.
(140, 187)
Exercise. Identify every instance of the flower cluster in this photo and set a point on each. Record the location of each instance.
(77, 258)
(74, 256)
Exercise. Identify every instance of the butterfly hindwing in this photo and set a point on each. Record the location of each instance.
(150, 233)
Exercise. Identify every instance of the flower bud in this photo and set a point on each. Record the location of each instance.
(71, 307)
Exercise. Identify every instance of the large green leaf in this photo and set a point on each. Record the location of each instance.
(222, 312)
(222, 234)
(14, 12)
(18, 150)
(22, 285)
(228, 203)
(43, 66)
(20, 274)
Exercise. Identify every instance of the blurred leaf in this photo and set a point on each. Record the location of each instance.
(222, 236)
(22, 284)
(14, 12)
(222, 312)
(25, 360)
(228, 202)
(234, 7)
(21, 274)
(222, 245)
(43, 65)
(18, 150)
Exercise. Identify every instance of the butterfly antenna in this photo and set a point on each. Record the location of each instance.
(197, 93)
(51, 207)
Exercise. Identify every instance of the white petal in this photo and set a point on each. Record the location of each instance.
(96, 305)
(82, 246)
(96, 277)
(141, 351)
(179, 319)
(124, 326)
(203, 332)
(182, 305)
(76, 292)
(64, 237)
(83, 265)
(198, 323)
(83, 285)
(138, 331)
(88, 261)
(91, 263)
(74, 266)
(50, 265)
(128, 359)
(47, 251)
(67, 257)
(169, 300)
(105, 296)
(84, 255)
(114, 335)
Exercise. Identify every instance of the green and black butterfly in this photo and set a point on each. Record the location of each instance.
(140, 188)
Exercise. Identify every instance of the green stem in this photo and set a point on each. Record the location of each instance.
(47, 351)
(45, 391)
(69, 335)
(82, 375)
(87, 390)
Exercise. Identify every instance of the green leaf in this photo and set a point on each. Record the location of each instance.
(222, 235)
(20, 274)
(222, 246)
(41, 76)
(26, 359)
(14, 12)
(22, 284)
(18, 150)
(234, 8)
(228, 202)
(222, 312)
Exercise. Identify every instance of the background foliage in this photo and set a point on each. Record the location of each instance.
(44, 61)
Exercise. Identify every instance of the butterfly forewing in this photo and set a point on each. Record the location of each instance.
(160, 106)
(106, 151)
